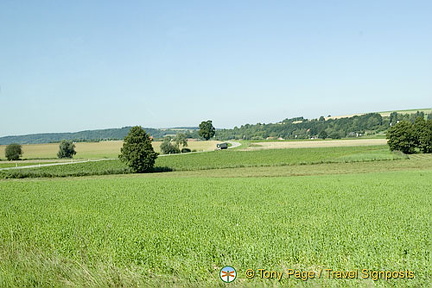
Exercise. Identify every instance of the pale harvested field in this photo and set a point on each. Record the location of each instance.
(316, 144)
(94, 150)
(385, 113)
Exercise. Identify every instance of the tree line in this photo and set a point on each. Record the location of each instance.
(301, 128)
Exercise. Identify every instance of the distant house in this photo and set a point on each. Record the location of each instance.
(222, 145)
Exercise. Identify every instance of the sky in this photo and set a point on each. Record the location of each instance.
(69, 66)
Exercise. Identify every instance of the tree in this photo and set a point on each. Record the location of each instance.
(66, 149)
(423, 133)
(181, 140)
(207, 130)
(167, 147)
(13, 151)
(323, 134)
(137, 151)
(401, 137)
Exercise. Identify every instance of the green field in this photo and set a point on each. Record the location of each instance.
(152, 231)
(309, 209)
(220, 160)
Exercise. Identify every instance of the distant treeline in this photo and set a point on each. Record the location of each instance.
(93, 135)
(301, 128)
(294, 128)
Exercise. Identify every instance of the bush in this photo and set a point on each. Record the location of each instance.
(13, 151)
(186, 150)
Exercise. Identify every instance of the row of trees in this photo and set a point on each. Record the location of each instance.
(301, 128)
(14, 151)
(411, 137)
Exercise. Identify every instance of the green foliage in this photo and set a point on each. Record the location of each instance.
(172, 145)
(423, 132)
(66, 149)
(181, 140)
(13, 151)
(401, 137)
(301, 128)
(186, 150)
(85, 233)
(104, 167)
(335, 135)
(168, 147)
(323, 134)
(137, 151)
(206, 129)
(407, 137)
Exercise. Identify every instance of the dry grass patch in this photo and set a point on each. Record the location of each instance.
(95, 150)
(316, 144)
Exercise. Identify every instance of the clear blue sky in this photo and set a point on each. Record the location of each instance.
(74, 65)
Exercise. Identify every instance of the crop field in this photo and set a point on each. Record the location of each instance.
(316, 143)
(386, 113)
(95, 150)
(219, 160)
(9, 164)
(135, 231)
(307, 209)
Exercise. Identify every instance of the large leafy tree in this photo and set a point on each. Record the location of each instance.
(137, 151)
(66, 149)
(13, 151)
(402, 137)
(206, 129)
(423, 132)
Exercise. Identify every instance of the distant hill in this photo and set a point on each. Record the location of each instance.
(92, 135)
(354, 125)
(358, 125)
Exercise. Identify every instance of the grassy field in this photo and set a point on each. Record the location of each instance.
(145, 231)
(219, 160)
(309, 209)
(95, 150)
(9, 164)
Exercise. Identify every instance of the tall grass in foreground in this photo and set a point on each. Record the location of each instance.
(135, 231)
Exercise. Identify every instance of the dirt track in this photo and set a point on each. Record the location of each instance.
(316, 143)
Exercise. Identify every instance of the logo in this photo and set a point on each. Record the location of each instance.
(228, 274)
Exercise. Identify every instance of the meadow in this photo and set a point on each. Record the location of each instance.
(150, 231)
(219, 160)
(309, 209)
